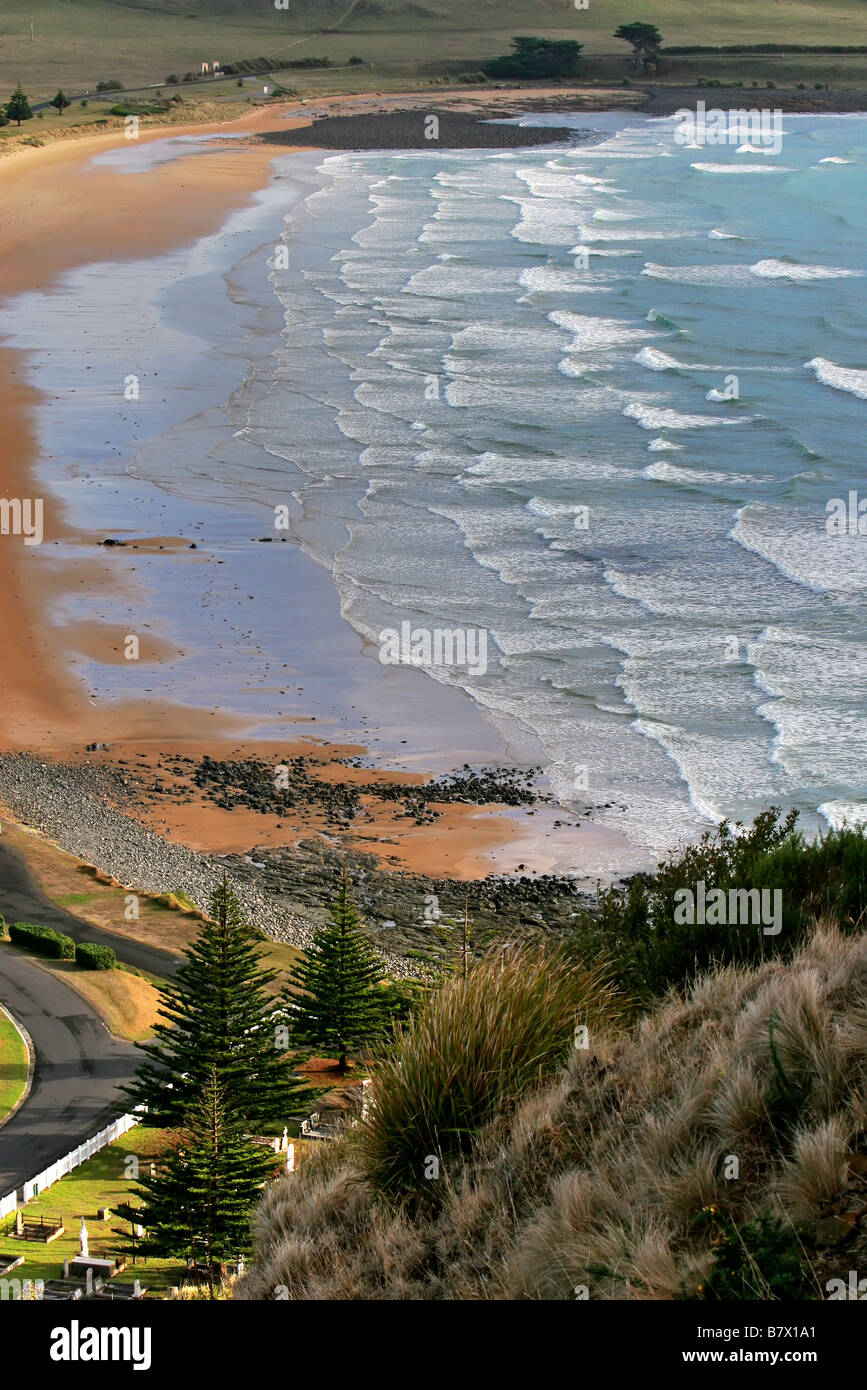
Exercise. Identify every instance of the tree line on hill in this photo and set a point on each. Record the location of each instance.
(18, 107)
(537, 59)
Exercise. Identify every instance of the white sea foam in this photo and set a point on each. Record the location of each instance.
(652, 417)
(849, 379)
(834, 159)
(742, 168)
(591, 333)
(785, 270)
(656, 361)
(802, 549)
(840, 813)
(660, 445)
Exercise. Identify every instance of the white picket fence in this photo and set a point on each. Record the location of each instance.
(36, 1186)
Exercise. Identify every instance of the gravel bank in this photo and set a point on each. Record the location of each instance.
(78, 806)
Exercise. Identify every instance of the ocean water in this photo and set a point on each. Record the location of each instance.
(467, 356)
(477, 347)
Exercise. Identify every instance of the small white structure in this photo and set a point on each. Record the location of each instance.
(365, 1099)
(290, 1159)
(82, 1240)
(205, 67)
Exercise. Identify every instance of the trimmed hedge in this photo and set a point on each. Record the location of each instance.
(94, 957)
(43, 940)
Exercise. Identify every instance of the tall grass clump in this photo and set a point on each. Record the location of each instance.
(474, 1047)
(651, 949)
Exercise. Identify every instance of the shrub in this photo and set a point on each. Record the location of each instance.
(762, 1259)
(111, 86)
(91, 956)
(172, 79)
(355, 60)
(651, 948)
(471, 1049)
(2, 927)
(43, 940)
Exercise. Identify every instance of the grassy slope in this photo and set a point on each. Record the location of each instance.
(13, 1065)
(79, 42)
(615, 1176)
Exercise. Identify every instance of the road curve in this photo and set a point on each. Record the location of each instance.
(78, 1068)
(79, 1065)
(21, 900)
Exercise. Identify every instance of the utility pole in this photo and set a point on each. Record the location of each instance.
(31, 28)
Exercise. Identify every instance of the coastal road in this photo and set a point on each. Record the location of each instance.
(21, 900)
(78, 1064)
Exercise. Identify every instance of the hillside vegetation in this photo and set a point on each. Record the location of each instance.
(139, 42)
(538, 1132)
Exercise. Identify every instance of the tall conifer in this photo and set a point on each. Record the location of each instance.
(340, 1008)
(198, 1201)
(217, 1017)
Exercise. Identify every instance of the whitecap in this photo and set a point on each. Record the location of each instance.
(658, 446)
(841, 378)
(785, 270)
(742, 168)
(656, 361)
(652, 417)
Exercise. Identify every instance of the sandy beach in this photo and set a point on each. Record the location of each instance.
(111, 218)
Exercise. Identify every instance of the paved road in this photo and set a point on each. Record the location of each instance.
(79, 1065)
(22, 901)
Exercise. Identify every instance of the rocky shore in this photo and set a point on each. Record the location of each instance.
(430, 126)
(89, 810)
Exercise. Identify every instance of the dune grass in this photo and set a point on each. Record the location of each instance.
(715, 1151)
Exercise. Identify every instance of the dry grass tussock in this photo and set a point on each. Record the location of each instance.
(719, 1149)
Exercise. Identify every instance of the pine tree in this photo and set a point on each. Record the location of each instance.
(197, 1203)
(217, 1015)
(341, 1006)
(61, 101)
(18, 107)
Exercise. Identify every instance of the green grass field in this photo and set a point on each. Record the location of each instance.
(80, 42)
(14, 1060)
(98, 1183)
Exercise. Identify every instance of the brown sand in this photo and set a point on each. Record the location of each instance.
(108, 216)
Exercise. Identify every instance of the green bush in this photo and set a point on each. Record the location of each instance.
(641, 926)
(760, 1260)
(43, 940)
(92, 956)
(469, 1052)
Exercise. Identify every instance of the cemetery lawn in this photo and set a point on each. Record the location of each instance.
(99, 1182)
(14, 1061)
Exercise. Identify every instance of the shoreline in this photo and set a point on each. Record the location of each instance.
(46, 708)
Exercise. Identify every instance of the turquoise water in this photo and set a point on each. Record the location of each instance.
(480, 347)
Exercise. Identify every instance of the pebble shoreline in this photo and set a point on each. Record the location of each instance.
(65, 802)
(88, 810)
